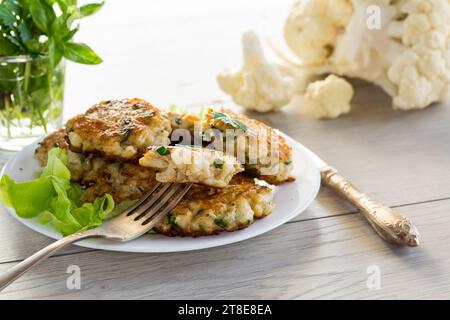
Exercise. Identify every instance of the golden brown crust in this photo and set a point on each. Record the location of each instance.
(235, 207)
(120, 129)
(123, 181)
(264, 135)
(56, 139)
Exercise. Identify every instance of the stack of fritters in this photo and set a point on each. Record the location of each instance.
(123, 147)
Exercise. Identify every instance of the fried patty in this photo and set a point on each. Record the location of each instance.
(118, 129)
(182, 164)
(54, 140)
(98, 175)
(207, 211)
(263, 151)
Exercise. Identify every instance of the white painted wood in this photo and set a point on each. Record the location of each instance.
(324, 258)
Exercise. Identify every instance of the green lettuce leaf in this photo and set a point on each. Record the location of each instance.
(54, 199)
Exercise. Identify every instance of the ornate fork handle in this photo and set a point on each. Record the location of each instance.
(391, 225)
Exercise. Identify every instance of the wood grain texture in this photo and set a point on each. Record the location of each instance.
(17, 242)
(323, 258)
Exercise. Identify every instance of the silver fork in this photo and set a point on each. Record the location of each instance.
(130, 224)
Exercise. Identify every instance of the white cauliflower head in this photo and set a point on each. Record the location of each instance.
(407, 53)
(329, 98)
(312, 28)
(259, 85)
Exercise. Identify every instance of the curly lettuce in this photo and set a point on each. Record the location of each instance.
(54, 199)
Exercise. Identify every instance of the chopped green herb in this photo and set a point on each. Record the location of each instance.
(218, 163)
(229, 120)
(126, 122)
(171, 219)
(126, 134)
(287, 163)
(163, 151)
(221, 223)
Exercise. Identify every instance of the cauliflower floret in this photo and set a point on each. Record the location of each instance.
(422, 72)
(313, 27)
(329, 98)
(259, 85)
(407, 53)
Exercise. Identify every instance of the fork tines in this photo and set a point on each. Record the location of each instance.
(157, 203)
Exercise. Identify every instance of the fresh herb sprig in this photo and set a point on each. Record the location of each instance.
(45, 28)
(235, 123)
(40, 33)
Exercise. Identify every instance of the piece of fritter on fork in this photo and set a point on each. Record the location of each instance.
(183, 164)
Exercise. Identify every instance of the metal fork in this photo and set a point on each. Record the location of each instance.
(130, 224)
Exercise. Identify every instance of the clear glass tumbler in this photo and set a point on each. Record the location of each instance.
(31, 99)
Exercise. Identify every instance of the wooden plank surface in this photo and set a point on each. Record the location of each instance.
(320, 258)
(170, 52)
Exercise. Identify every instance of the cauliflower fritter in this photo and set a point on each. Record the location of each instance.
(122, 180)
(54, 140)
(184, 164)
(266, 153)
(204, 210)
(97, 175)
(207, 211)
(118, 129)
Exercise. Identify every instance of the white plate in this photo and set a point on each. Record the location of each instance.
(291, 199)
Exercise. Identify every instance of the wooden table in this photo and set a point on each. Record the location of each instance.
(170, 52)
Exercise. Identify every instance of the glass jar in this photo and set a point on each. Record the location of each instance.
(31, 99)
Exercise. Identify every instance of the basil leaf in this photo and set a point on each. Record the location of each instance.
(42, 14)
(81, 53)
(89, 9)
(229, 120)
(60, 26)
(6, 17)
(6, 46)
(72, 32)
(14, 6)
(63, 5)
(24, 32)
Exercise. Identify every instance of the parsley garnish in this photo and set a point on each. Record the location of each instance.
(221, 223)
(218, 163)
(229, 120)
(171, 218)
